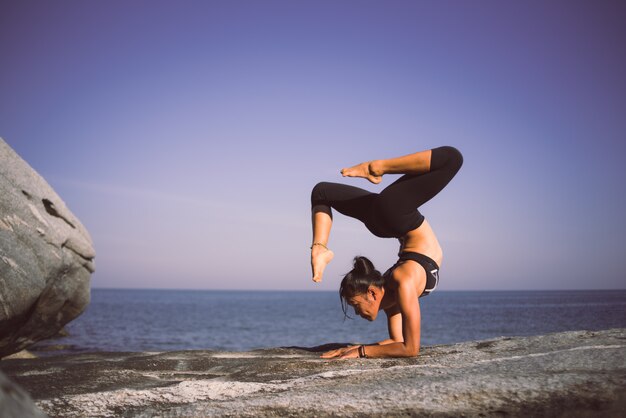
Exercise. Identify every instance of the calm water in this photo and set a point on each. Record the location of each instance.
(160, 320)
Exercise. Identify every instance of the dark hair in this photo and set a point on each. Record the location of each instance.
(358, 280)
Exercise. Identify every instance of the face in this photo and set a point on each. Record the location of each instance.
(366, 305)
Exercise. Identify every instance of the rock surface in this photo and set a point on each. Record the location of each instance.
(46, 257)
(576, 374)
(15, 403)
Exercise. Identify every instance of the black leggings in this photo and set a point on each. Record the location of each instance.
(392, 212)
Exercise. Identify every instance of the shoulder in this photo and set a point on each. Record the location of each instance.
(411, 275)
(407, 271)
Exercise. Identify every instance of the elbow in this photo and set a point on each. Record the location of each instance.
(411, 351)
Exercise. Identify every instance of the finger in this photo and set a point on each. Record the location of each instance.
(329, 355)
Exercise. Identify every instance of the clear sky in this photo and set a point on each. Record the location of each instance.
(187, 135)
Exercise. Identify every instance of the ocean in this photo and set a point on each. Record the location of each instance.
(167, 320)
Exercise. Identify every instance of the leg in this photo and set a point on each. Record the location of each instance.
(416, 163)
(365, 170)
(348, 200)
(425, 179)
(399, 201)
(320, 254)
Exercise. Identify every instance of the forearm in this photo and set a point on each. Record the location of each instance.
(392, 349)
(387, 341)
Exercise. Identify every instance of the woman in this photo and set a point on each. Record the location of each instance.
(391, 213)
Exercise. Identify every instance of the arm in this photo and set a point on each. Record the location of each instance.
(410, 318)
(402, 322)
(394, 325)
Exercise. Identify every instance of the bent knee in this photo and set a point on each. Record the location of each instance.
(455, 156)
(318, 194)
(446, 156)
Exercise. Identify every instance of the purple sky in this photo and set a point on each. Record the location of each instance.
(187, 135)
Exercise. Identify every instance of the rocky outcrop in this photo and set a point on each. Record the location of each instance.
(46, 257)
(566, 374)
(15, 403)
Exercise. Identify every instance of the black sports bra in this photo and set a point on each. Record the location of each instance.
(431, 267)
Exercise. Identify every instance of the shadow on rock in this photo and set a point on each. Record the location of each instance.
(320, 348)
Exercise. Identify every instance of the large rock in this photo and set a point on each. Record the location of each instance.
(568, 374)
(46, 257)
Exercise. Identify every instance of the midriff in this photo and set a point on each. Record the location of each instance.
(424, 241)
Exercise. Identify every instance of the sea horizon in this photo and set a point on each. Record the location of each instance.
(331, 291)
(242, 320)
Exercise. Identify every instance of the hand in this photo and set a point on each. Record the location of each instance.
(345, 352)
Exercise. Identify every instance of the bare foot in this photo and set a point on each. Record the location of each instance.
(320, 257)
(364, 170)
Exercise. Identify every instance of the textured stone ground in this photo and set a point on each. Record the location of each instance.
(566, 374)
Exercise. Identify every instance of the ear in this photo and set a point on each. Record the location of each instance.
(372, 292)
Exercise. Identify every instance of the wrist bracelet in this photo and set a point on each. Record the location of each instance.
(362, 352)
